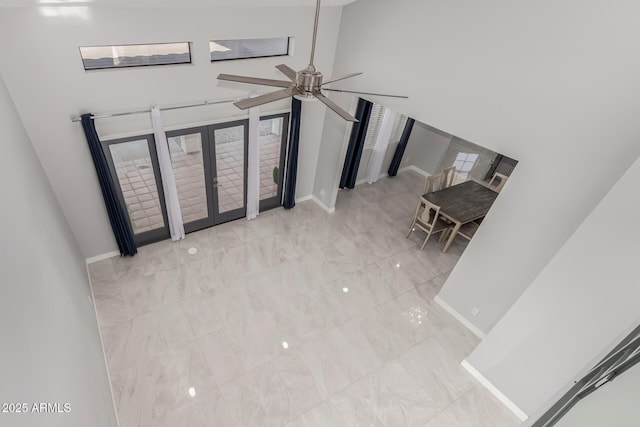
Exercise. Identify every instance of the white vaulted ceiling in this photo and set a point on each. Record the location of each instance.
(171, 3)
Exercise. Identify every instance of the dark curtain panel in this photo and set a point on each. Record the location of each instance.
(402, 145)
(117, 213)
(292, 155)
(356, 144)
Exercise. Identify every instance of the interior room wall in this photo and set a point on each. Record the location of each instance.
(44, 74)
(312, 119)
(550, 84)
(426, 148)
(580, 303)
(51, 350)
(335, 137)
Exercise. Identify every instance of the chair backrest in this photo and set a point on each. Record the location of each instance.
(433, 183)
(429, 212)
(447, 176)
(502, 181)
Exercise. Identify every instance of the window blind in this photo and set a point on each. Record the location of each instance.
(375, 121)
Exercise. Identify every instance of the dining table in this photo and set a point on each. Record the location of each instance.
(462, 203)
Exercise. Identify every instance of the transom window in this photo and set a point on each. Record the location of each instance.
(135, 55)
(222, 50)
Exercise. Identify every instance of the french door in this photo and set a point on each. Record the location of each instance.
(134, 163)
(210, 167)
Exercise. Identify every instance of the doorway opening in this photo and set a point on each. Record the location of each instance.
(210, 167)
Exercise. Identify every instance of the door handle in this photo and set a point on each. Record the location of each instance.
(215, 182)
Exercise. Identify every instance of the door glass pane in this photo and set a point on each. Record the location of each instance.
(270, 141)
(138, 183)
(230, 167)
(188, 168)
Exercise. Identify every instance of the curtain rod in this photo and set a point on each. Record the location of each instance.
(76, 118)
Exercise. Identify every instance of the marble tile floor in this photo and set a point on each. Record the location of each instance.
(297, 318)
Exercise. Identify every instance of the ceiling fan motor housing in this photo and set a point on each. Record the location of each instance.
(309, 81)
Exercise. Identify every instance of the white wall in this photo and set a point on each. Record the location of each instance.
(51, 350)
(582, 301)
(426, 148)
(44, 74)
(335, 138)
(312, 118)
(551, 84)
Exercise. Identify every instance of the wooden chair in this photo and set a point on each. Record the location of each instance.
(433, 183)
(468, 230)
(502, 181)
(427, 219)
(447, 176)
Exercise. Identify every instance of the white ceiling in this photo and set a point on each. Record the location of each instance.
(171, 3)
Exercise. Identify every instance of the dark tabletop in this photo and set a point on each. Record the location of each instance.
(463, 202)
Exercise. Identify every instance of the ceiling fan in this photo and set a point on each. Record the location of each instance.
(305, 83)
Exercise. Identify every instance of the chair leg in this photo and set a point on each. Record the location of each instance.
(413, 221)
(425, 241)
(410, 229)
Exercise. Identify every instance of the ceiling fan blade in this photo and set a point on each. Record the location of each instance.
(287, 71)
(264, 99)
(366, 93)
(254, 80)
(335, 107)
(341, 78)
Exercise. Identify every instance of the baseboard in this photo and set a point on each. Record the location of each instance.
(460, 318)
(494, 390)
(304, 198)
(415, 169)
(364, 180)
(104, 353)
(323, 206)
(102, 257)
